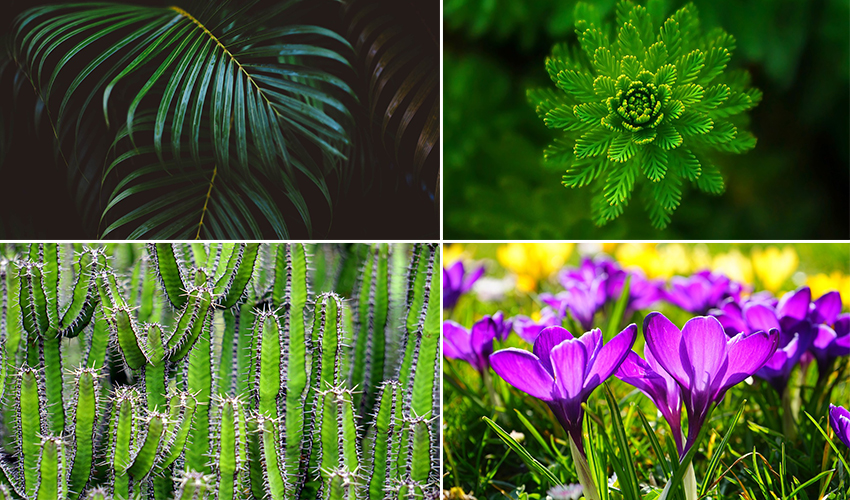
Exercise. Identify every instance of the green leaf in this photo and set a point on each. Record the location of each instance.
(666, 75)
(592, 143)
(715, 62)
(631, 67)
(688, 164)
(656, 56)
(710, 179)
(644, 136)
(590, 113)
(581, 173)
(560, 151)
(653, 161)
(605, 86)
(523, 454)
(605, 63)
(713, 97)
(689, 66)
(688, 94)
(578, 84)
(668, 137)
(629, 41)
(715, 459)
(672, 38)
(622, 148)
(694, 123)
(620, 182)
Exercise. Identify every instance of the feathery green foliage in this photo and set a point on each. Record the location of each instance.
(247, 385)
(648, 102)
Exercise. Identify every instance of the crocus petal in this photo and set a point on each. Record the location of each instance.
(637, 372)
(610, 357)
(546, 341)
(761, 317)
(592, 341)
(747, 353)
(705, 342)
(455, 341)
(795, 304)
(455, 274)
(823, 339)
(569, 360)
(665, 342)
(523, 370)
(839, 420)
(470, 280)
(826, 308)
(481, 342)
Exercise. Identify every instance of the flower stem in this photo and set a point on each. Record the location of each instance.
(584, 477)
(494, 397)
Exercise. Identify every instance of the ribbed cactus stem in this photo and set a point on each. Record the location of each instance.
(52, 467)
(30, 426)
(232, 452)
(84, 414)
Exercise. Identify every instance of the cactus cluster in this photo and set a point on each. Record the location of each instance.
(219, 370)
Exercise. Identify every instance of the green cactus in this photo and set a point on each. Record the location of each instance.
(214, 371)
(648, 100)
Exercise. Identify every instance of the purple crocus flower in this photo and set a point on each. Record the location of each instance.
(608, 278)
(529, 329)
(456, 282)
(562, 371)
(473, 346)
(503, 326)
(581, 299)
(651, 379)
(730, 312)
(831, 342)
(704, 361)
(839, 420)
(796, 333)
(701, 291)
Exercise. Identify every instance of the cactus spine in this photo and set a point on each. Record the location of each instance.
(219, 370)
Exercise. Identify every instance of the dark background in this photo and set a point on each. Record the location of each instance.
(794, 184)
(385, 204)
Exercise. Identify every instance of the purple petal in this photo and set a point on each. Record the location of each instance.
(455, 274)
(795, 304)
(824, 338)
(826, 308)
(748, 352)
(610, 357)
(456, 341)
(481, 342)
(546, 341)
(761, 317)
(665, 342)
(470, 280)
(523, 370)
(569, 360)
(839, 420)
(705, 342)
(592, 341)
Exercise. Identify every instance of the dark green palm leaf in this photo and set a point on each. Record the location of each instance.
(251, 97)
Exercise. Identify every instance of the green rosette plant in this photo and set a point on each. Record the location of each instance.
(648, 99)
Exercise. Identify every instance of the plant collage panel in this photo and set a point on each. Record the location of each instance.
(646, 371)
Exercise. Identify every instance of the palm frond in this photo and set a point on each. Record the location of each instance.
(250, 96)
(398, 50)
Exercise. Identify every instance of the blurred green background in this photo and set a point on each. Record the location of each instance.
(794, 184)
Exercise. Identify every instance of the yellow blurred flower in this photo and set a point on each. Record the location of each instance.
(657, 261)
(822, 283)
(735, 265)
(532, 262)
(773, 266)
(453, 253)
